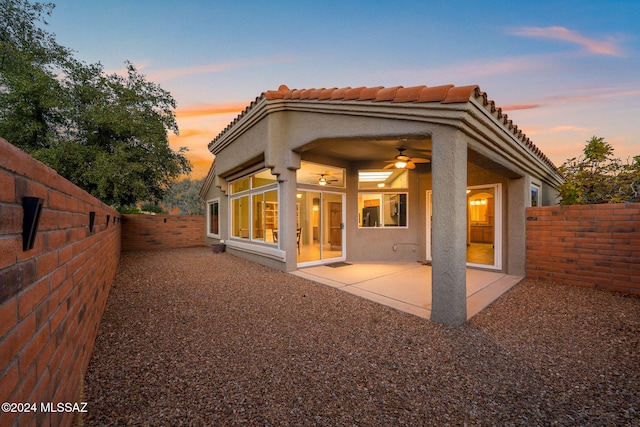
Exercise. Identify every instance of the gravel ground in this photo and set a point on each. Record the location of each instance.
(195, 338)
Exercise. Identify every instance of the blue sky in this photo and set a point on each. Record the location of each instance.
(562, 70)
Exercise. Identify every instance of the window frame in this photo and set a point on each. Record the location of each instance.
(250, 193)
(210, 203)
(381, 196)
(538, 196)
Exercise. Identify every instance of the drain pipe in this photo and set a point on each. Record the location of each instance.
(395, 245)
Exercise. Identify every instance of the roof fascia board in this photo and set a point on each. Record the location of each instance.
(206, 185)
(246, 120)
(447, 114)
(489, 128)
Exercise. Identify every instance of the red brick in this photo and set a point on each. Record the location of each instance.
(7, 184)
(57, 317)
(9, 382)
(8, 316)
(16, 340)
(25, 387)
(8, 250)
(46, 263)
(15, 160)
(57, 278)
(31, 297)
(10, 219)
(65, 290)
(32, 350)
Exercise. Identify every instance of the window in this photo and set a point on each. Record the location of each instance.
(535, 195)
(383, 178)
(254, 207)
(319, 174)
(382, 208)
(213, 218)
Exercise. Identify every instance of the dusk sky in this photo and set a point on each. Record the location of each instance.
(563, 71)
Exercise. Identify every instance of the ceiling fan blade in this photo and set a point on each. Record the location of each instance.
(390, 165)
(410, 165)
(420, 160)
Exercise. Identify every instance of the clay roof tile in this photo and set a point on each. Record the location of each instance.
(326, 93)
(306, 93)
(353, 93)
(339, 93)
(315, 93)
(460, 94)
(433, 94)
(369, 93)
(386, 93)
(408, 94)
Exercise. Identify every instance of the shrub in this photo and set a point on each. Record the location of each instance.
(598, 177)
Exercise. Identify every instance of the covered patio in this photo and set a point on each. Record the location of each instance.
(406, 286)
(433, 175)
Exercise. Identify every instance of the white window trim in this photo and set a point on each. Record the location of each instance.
(211, 202)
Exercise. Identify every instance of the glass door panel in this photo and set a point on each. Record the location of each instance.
(320, 226)
(332, 226)
(481, 225)
(309, 226)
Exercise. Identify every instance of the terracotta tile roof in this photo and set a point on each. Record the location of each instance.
(446, 94)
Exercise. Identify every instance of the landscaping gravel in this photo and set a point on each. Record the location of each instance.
(194, 338)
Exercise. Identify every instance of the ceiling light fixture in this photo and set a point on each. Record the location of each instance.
(322, 180)
(401, 164)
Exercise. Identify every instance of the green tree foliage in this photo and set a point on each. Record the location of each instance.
(106, 133)
(184, 195)
(598, 177)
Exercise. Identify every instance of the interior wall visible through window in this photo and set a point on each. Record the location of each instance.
(382, 208)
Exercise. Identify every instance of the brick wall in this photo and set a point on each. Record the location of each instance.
(587, 245)
(144, 232)
(52, 296)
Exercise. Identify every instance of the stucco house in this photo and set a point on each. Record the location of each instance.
(429, 174)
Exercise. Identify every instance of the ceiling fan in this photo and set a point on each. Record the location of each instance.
(325, 179)
(402, 161)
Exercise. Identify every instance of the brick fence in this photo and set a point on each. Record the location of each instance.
(588, 245)
(51, 296)
(144, 232)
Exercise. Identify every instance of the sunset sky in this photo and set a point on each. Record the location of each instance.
(563, 71)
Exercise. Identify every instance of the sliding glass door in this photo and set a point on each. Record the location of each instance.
(320, 226)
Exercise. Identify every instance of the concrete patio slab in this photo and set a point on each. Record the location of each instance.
(407, 286)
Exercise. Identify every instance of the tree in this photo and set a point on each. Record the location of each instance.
(184, 195)
(105, 133)
(30, 93)
(599, 177)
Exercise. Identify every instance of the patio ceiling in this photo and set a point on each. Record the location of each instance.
(368, 149)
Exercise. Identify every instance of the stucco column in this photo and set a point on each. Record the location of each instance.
(449, 238)
(287, 212)
(516, 225)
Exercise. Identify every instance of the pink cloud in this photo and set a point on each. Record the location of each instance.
(520, 107)
(569, 129)
(600, 47)
(172, 73)
(211, 109)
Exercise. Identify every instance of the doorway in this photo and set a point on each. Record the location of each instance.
(484, 226)
(320, 227)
